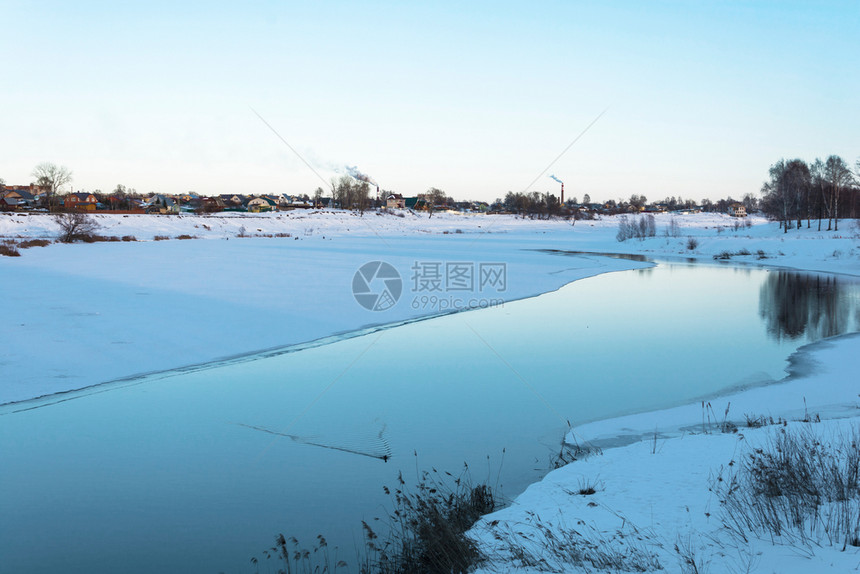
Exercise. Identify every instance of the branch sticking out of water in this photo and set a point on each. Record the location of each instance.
(384, 447)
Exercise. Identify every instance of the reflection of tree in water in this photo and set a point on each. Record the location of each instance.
(795, 304)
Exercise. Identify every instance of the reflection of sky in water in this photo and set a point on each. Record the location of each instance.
(160, 476)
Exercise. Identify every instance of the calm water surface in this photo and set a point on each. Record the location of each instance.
(170, 475)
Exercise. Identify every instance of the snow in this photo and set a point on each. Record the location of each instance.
(78, 315)
(656, 489)
(83, 314)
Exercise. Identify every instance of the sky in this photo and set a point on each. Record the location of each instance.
(697, 99)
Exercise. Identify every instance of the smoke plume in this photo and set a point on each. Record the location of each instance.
(354, 172)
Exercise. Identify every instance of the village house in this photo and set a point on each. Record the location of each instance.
(737, 210)
(261, 204)
(80, 200)
(18, 196)
(232, 201)
(161, 204)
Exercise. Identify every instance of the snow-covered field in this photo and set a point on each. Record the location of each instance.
(83, 314)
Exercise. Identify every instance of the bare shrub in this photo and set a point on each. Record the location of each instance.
(184, 236)
(692, 243)
(34, 243)
(673, 229)
(160, 238)
(9, 250)
(75, 225)
(753, 421)
(624, 230)
(95, 238)
(644, 226)
(129, 238)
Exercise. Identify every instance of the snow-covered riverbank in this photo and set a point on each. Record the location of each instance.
(656, 480)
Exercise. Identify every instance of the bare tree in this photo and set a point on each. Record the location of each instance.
(344, 192)
(856, 190)
(434, 197)
(638, 201)
(797, 179)
(777, 200)
(816, 171)
(362, 196)
(74, 225)
(838, 176)
(51, 177)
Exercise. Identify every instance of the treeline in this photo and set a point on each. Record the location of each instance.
(349, 193)
(534, 204)
(545, 205)
(820, 190)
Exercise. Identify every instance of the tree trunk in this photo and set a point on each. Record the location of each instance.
(836, 209)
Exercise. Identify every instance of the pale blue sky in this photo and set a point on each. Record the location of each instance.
(475, 99)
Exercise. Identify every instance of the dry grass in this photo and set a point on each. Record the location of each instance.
(801, 486)
(425, 532)
(427, 528)
(93, 238)
(34, 243)
(8, 249)
(548, 547)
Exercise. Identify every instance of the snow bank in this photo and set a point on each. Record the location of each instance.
(655, 497)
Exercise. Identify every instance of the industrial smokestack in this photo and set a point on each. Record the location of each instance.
(562, 187)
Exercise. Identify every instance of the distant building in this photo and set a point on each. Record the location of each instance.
(261, 204)
(81, 201)
(161, 204)
(737, 210)
(395, 201)
(17, 196)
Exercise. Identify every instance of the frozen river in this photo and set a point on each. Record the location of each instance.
(179, 472)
